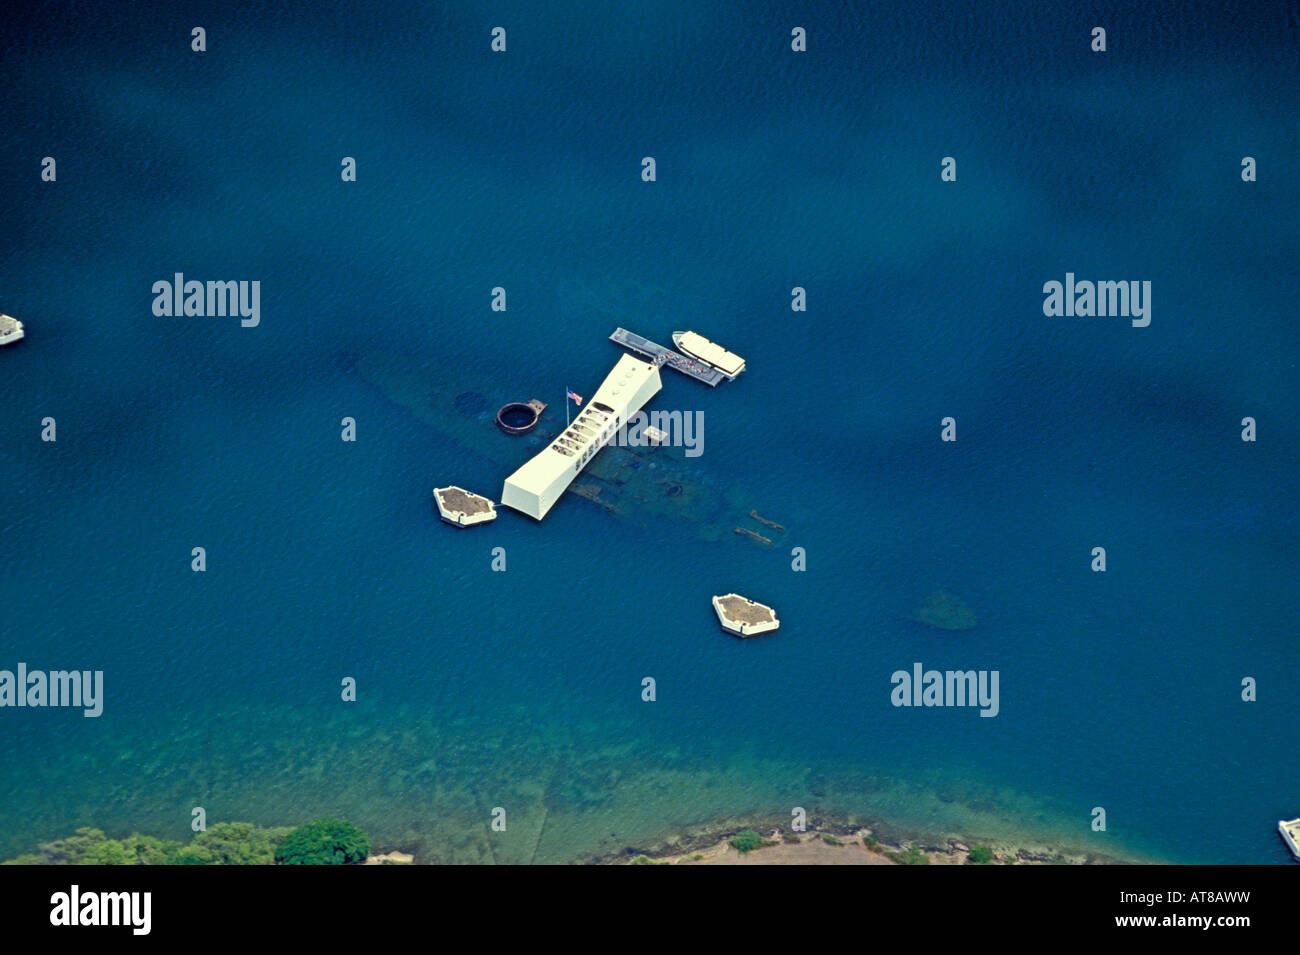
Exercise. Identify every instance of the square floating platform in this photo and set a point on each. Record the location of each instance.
(461, 508)
(744, 618)
(10, 329)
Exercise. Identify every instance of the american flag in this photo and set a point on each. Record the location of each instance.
(576, 399)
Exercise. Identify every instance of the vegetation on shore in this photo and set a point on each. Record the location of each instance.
(909, 855)
(746, 841)
(980, 855)
(323, 842)
(222, 843)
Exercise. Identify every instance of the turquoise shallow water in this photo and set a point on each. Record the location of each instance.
(522, 689)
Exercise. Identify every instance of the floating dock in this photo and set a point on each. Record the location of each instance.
(742, 617)
(667, 358)
(1290, 831)
(460, 508)
(10, 329)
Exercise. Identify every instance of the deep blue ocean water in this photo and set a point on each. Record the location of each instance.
(775, 169)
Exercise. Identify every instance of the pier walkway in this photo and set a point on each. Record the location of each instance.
(667, 358)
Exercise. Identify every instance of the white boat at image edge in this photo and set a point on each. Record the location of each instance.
(696, 346)
(10, 330)
(1290, 830)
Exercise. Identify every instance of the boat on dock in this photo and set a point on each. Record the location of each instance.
(1290, 830)
(667, 358)
(10, 329)
(696, 346)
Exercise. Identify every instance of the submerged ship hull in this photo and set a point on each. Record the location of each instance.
(646, 485)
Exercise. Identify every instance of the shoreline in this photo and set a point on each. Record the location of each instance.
(729, 841)
(851, 842)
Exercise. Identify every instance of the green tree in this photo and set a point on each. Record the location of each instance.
(223, 843)
(323, 842)
(240, 843)
(746, 841)
(194, 855)
(981, 855)
(86, 846)
(150, 850)
(73, 849)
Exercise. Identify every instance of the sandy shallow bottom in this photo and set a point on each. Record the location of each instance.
(573, 793)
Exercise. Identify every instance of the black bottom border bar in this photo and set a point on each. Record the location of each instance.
(309, 904)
